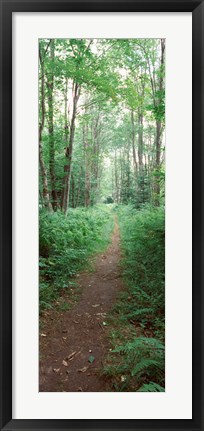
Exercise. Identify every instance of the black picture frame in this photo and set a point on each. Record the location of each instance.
(7, 8)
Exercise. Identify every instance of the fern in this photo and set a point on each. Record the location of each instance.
(151, 387)
(142, 342)
(144, 365)
(65, 244)
(141, 312)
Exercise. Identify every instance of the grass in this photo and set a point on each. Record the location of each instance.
(137, 359)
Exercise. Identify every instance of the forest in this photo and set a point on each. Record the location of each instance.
(102, 214)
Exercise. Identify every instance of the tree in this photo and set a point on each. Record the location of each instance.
(46, 196)
(50, 86)
(101, 121)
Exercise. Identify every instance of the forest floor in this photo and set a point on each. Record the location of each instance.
(74, 343)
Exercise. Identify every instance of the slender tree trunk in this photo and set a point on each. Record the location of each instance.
(159, 130)
(116, 180)
(133, 143)
(157, 164)
(128, 172)
(79, 188)
(87, 166)
(69, 149)
(73, 190)
(66, 138)
(95, 159)
(140, 143)
(45, 191)
(50, 85)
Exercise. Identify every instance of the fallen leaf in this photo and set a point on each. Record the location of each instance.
(64, 363)
(96, 305)
(91, 359)
(74, 354)
(43, 335)
(71, 355)
(82, 370)
(56, 370)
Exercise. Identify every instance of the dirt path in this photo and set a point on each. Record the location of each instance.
(73, 339)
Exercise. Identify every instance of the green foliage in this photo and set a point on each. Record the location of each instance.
(121, 103)
(65, 243)
(139, 355)
(109, 200)
(151, 387)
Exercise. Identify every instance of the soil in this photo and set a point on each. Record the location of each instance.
(73, 343)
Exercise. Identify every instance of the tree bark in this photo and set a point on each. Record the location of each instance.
(159, 129)
(78, 188)
(95, 159)
(140, 142)
(116, 179)
(87, 166)
(133, 143)
(73, 191)
(69, 150)
(50, 85)
(45, 192)
(66, 138)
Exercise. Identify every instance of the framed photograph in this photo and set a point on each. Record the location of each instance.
(101, 215)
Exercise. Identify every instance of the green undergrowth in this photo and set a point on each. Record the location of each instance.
(137, 359)
(65, 245)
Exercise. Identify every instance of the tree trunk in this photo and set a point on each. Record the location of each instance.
(66, 138)
(95, 159)
(87, 166)
(159, 131)
(73, 191)
(46, 196)
(116, 180)
(45, 192)
(133, 143)
(69, 150)
(140, 143)
(50, 85)
(79, 188)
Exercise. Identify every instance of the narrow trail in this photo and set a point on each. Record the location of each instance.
(75, 338)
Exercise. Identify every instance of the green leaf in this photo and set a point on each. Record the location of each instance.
(91, 359)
